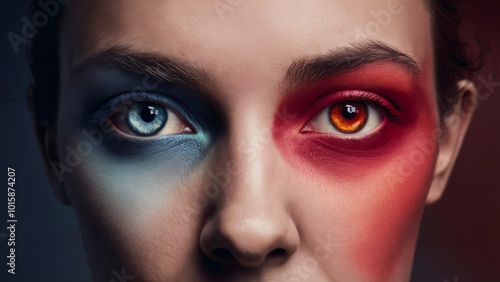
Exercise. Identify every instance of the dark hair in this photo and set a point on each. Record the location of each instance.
(453, 57)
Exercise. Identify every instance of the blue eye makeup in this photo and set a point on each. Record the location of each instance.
(143, 123)
(164, 130)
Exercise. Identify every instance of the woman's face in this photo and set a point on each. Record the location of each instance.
(248, 140)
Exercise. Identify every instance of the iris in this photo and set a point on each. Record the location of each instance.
(146, 118)
(349, 117)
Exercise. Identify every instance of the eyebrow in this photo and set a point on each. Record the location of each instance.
(344, 59)
(161, 68)
(301, 71)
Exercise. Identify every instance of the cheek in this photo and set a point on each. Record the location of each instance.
(389, 216)
(371, 212)
(373, 192)
(131, 209)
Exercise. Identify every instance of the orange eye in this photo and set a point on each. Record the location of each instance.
(348, 117)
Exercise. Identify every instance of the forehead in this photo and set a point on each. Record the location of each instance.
(238, 35)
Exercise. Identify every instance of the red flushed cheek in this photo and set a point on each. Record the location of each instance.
(392, 211)
(388, 174)
(386, 189)
(390, 217)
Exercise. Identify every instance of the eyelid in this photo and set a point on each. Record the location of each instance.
(362, 134)
(389, 109)
(120, 100)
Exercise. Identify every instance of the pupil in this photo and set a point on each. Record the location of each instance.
(349, 111)
(148, 114)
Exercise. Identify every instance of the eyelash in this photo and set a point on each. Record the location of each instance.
(103, 113)
(119, 100)
(388, 109)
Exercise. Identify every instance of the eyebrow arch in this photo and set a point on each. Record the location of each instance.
(344, 59)
(161, 68)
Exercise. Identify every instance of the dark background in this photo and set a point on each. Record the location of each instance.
(459, 237)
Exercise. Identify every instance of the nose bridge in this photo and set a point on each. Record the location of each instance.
(251, 150)
(250, 147)
(250, 220)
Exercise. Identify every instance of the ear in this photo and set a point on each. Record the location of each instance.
(46, 137)
(454, 127)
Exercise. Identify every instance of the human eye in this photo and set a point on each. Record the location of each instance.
(145, 116)
(148, 118)
(351, 115)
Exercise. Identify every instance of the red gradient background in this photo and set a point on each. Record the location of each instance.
(460, 235)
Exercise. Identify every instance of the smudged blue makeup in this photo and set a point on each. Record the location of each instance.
(148, 141)
(146, 115)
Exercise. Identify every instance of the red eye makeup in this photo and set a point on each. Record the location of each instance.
(349, 114)
(355, 118)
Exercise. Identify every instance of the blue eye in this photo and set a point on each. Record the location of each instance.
(146, 118)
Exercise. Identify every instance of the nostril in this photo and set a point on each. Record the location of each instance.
(225, 256)
(279, 252)
(277, 255)
(222, 254)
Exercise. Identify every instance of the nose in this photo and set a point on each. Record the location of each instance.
(248, 240)
(250, 225)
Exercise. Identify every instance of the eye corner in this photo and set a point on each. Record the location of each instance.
(309, 127)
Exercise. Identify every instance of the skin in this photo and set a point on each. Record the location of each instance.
(250, 195)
